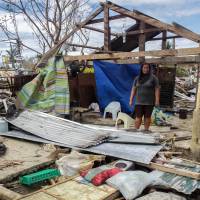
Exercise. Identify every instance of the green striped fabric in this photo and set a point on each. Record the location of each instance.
(48, 91)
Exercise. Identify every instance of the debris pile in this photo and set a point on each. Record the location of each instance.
(185, 91)
(6, 101)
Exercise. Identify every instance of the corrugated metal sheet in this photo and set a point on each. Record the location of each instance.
(133, 138)
(134, 152)
(26, 136)
(182, 184)
(58, 130)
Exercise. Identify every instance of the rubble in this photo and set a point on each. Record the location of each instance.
(96, 162)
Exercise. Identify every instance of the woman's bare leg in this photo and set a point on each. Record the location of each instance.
(147, 123)
(138, 122)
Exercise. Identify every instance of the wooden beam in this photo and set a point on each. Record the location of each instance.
(127, 33)
(99, 30)
(154, 22)
(142, 37)
(173, 170)
(164, 39)
(142, 40)
(174, 43)
(54, 49)
(129, 55)
(180, 28)
(84, 46)
(169, 37)
(106, 29)
(94, 21)
(164, 61)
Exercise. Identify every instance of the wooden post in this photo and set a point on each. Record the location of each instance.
(195, 144)
(106, 29)
(197, 87)
(164, 39)
(174, 43)
(142, 40)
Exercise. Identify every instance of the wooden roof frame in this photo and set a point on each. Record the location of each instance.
(186, 55)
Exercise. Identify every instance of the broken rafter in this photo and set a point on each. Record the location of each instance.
(53, 50)
(154, 22)
(94, 21)
(127, 55)
(181, 28)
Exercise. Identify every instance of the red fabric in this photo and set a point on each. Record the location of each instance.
(103, 176)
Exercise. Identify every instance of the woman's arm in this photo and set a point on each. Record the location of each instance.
(133, 93)
(157, 96)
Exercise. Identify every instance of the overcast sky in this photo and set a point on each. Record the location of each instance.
(185, 12)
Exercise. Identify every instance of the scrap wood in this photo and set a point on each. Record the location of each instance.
(190, 161)
(6, 194)
(9, 163)
(173, 170)
(60, 190)
(175, 163)
(170, 153)
(48, 187)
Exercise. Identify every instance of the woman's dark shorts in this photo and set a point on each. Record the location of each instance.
(143, 110)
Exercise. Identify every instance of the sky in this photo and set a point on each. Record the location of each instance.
(184, 12)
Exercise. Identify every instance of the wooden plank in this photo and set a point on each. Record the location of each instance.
(173, 170)
(181, 28)
(54, 49)
(127, 33)
(99, 30)
(106, 29)
(154, 22)
(166, 60)
(6, 194)
(73, 189)
(94, 21)
(174, 43)
(126, 55)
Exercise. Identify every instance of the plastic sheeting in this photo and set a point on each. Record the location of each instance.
(114, 83)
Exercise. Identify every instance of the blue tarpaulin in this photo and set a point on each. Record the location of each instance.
(114, 83)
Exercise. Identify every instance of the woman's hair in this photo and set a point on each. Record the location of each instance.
(141, 75)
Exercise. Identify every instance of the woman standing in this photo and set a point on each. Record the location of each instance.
(146, 91)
